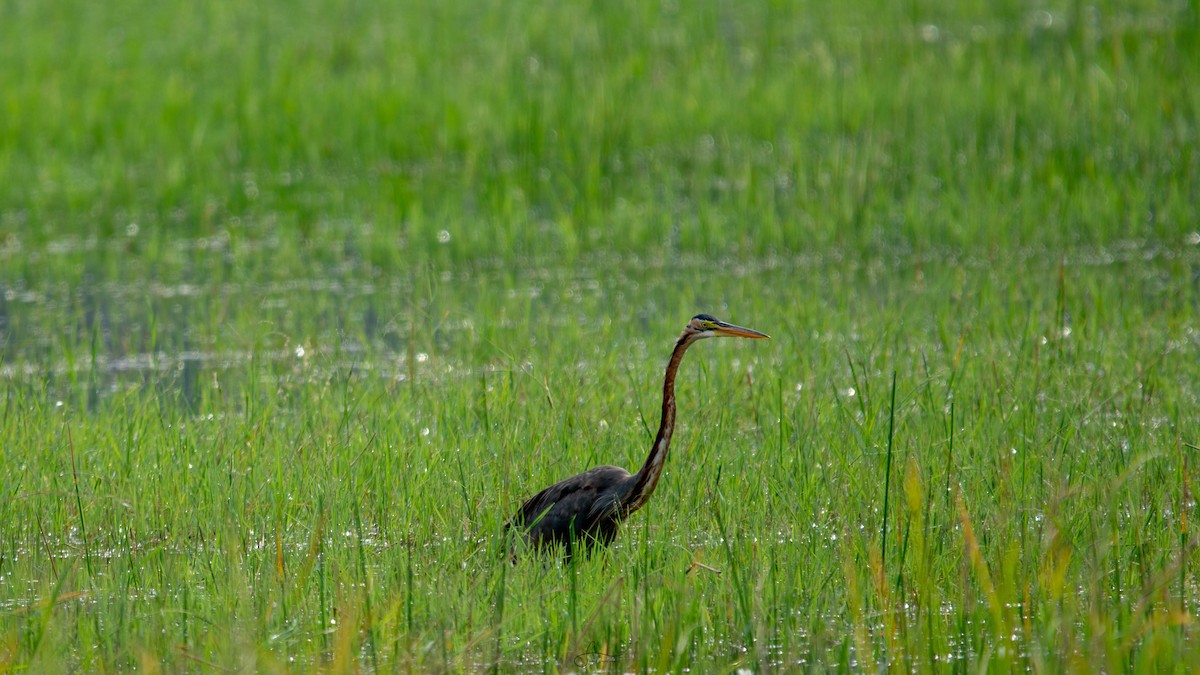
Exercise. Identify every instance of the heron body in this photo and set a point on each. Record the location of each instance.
(589, 507)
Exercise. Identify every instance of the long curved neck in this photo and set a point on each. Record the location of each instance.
(646, 479)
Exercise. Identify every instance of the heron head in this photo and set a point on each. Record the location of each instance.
(706, 326)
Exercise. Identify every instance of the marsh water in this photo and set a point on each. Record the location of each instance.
(123, 325)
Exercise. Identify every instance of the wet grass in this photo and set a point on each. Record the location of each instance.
(300, 302)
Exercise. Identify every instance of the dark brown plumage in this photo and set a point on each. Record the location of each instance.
(590, 506)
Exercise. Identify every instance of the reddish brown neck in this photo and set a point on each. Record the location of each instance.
(646, 479)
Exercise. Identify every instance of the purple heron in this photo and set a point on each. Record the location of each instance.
(589, 507)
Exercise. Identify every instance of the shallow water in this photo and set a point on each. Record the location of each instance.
(123, 332)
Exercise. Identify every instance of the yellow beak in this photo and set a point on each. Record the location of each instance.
(730, 330)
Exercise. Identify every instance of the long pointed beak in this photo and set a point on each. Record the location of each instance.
(730, 330)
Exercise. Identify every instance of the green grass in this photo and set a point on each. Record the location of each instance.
(299, 301)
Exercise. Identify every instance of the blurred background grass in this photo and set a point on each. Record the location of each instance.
(533, 128)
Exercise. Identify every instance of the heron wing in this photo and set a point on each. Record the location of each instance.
(583, 499)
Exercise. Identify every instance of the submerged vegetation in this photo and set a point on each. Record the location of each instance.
(299, 301)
